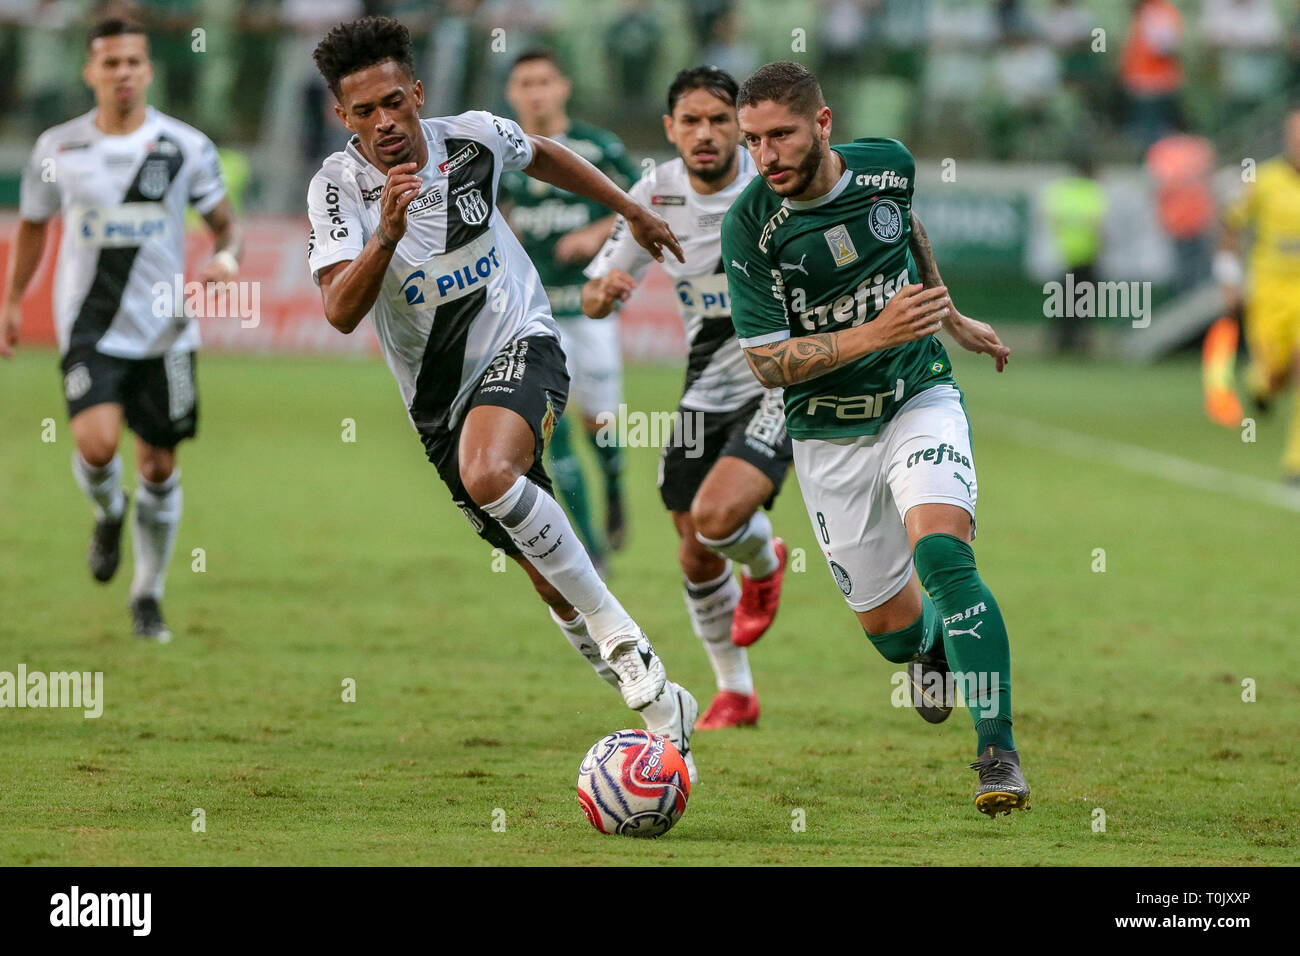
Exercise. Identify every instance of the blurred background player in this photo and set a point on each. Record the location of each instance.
(561, 232)
(821, 257)
(729, 452)
(1075, 209)
(405, 230)
(123, 175)
(1269, 293)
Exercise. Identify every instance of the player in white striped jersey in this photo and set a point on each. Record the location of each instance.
(716, 493)
(405, 229)
(122, 176)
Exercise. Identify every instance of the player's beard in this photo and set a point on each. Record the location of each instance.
(803, 173)
(715, 173)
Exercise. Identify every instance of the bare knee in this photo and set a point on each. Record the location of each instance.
(717, 520)
(487, 476)
(96, 451)
(157, 464)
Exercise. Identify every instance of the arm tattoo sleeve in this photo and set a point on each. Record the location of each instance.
(924, 255)
(795, 360)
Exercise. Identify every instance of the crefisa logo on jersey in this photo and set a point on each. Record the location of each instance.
(885, 220)
(472, 207)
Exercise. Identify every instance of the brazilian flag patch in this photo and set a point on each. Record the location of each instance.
(937, 368)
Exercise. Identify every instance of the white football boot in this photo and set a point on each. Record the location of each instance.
(678, 722)
(641, 674)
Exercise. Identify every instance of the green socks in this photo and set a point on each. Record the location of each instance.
(610, 458)
(975, 636)
(912, 641)
(566, 470)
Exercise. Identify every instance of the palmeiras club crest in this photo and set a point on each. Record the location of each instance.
(472, 207)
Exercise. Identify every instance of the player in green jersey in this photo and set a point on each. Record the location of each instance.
(836, 298)
(562, 232)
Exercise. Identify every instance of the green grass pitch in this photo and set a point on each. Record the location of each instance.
(328, 560)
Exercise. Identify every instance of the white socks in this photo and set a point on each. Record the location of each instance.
(576, 633)
(157, 517)
(657, 714)
(541, 529)
(710, 605)
(102, 485)
(750, 547)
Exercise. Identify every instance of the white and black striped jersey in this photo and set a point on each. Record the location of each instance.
(459, 287)
(718, 379)
(123, 200)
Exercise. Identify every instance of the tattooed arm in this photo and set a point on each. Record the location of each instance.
(970, 334)
(911, 314)
(922, 252)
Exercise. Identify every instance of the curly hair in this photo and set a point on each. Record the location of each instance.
(350, 47)
(785, 83)
(718, 82)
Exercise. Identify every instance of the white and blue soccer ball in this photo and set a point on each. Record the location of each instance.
(633, 783)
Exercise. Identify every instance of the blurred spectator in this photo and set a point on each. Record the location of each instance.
(1245, 37)
(1293, 53)
(448, 58)
(844, 29)
(1013, 19)
(632, 47)
(1151, 69)
(728, 51)
(703, 14)
(1068, 28)
(1075, 208)
(52, 50)
(526, 24)
(175, 64)
(299, 127)
(1181, 165)
(1027, 87)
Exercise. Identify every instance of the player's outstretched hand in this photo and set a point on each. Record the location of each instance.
(976, 336)
(913, 313)
(652, 233)
(223, 267)
(615, 286)
(10, 321)
(401, 186)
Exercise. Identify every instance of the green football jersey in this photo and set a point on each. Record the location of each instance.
(801, 268)
(542, 213)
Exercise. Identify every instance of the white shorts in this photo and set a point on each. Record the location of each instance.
(857, 491)
(595, 361)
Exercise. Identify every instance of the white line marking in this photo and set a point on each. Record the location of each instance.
(1146, 461)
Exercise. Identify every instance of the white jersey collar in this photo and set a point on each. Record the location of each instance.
(838, 188)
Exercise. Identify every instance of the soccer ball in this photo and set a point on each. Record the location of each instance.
(633, 783)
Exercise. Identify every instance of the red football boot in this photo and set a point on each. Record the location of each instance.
(759, 600)
(729, 709)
